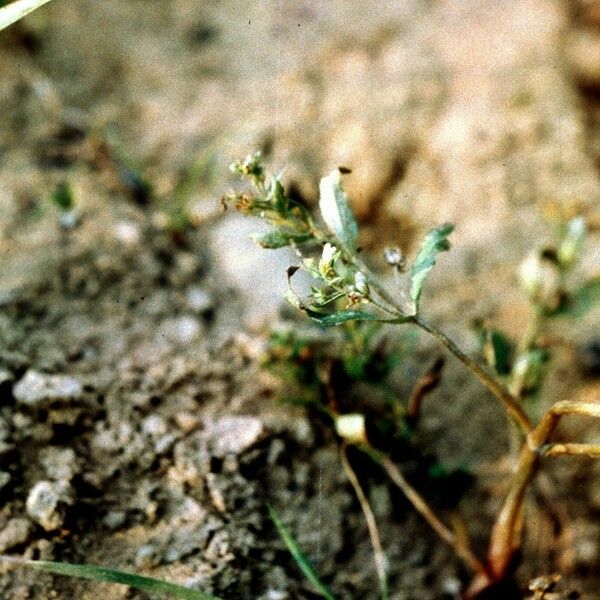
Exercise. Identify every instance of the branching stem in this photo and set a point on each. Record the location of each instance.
(506, 533)
(491, 383)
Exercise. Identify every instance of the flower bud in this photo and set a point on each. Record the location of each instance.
(570, 247)
(352, 428)
(539, 278)
(528, 371)
(360, 283)
(328, 258)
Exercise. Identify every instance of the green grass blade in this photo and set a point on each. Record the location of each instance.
(14, 11)
(299, 557)
(144, 584)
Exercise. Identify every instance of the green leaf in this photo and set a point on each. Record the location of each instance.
(15, 11)
(435, 241)
(298, 556)
(336, 211)
(581, 301)
(139, 582)
(279, 239)
(337, 318)
(343, 316)
(498, 350)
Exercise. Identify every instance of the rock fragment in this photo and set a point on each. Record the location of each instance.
(16, 532)
(47, 503)
(60, 464)
(37, 389)
(233, 435)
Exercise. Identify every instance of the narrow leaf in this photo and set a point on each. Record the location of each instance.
(343, 316)
(498, 351)
(336, 210)
(297, 554)
(337, 318)
(15, 11)
(435, 241)
(139, 582)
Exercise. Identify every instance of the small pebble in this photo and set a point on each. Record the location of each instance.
(17, 531)
(4, 479)
(5, 375)
(47, 501)
(187, 421)
(60, 464)
(128, 233)
(36, 389)
(155, 426)
(114, 519)
(146, 557)
(233, 435)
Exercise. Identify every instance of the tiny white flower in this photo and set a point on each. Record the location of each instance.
(530, 273)
(539, 278)
(330, 254)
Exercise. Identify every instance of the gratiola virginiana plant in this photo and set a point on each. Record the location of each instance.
(345, 290)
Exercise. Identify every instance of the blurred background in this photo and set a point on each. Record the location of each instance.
(485, 113)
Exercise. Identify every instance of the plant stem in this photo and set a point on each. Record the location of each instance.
(426, 512)
(380, 560)
(493, 385)
(489, 381)
(506, 533)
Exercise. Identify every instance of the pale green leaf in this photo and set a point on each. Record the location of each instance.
(139, 582)
(435, 241)
(336, 211)
(13, 12)
(342, 316)
(279, 239)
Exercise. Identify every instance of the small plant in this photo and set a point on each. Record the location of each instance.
(345, 291)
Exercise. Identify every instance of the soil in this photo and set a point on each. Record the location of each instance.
(137, 428)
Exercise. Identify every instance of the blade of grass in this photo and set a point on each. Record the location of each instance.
(145, 584)
(298, 556)
(15, 11)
